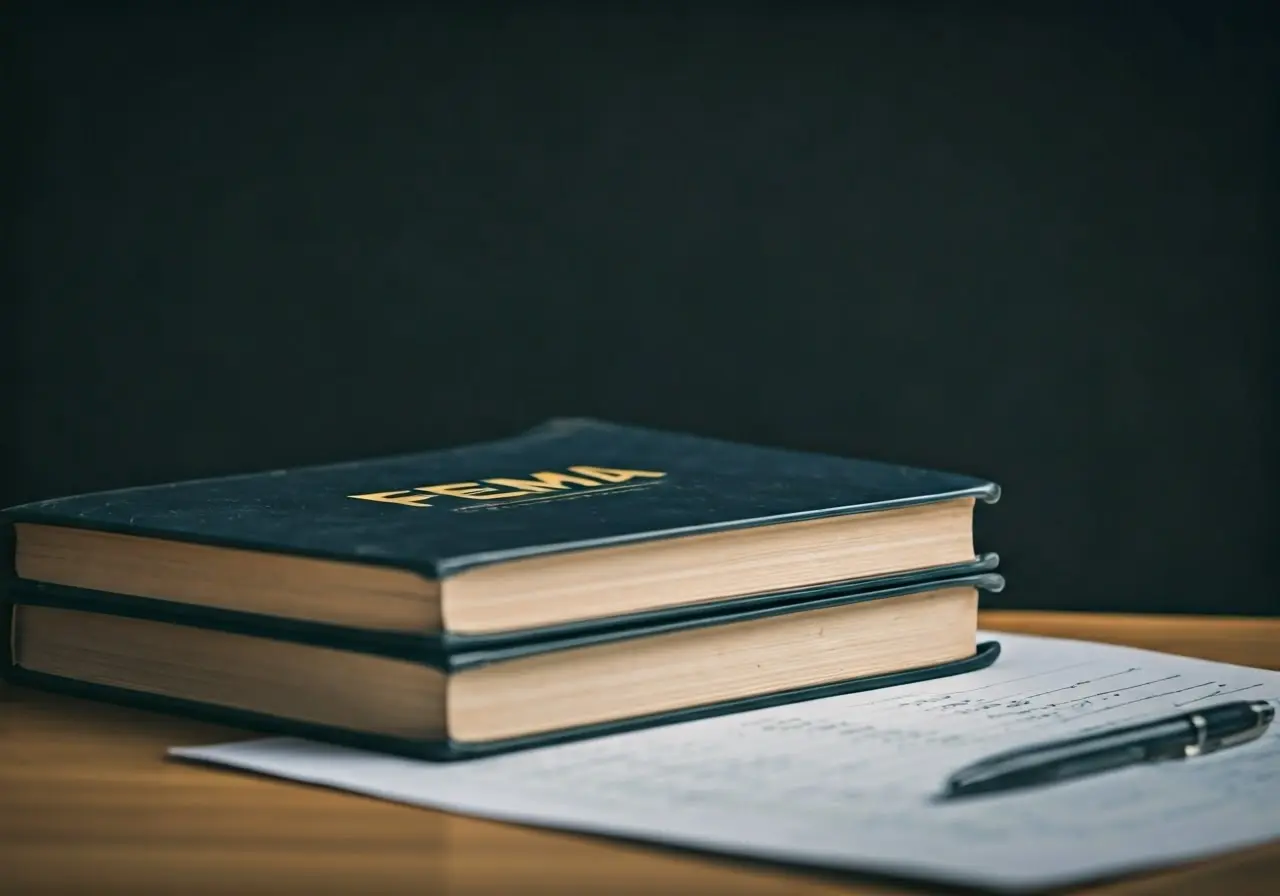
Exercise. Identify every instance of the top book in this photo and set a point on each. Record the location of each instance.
(576, 521)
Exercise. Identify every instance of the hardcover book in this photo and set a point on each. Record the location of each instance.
(470, 701)
(574, 525)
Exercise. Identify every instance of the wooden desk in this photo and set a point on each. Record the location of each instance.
(91, 806)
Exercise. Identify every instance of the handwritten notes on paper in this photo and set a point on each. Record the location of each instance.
(847, 782)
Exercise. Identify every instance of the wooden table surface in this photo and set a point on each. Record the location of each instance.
(90, 805)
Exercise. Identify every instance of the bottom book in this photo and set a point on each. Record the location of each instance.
(479, 700)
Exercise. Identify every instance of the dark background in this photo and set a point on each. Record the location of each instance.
(1038, 247)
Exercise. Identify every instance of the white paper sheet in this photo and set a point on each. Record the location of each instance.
(846, 782)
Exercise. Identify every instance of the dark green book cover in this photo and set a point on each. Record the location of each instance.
(445, 511)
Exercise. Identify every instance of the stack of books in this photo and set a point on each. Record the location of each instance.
(577, 579)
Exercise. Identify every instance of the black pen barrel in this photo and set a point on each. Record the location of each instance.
(1231, 718)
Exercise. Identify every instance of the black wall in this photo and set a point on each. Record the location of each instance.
(1037, 247)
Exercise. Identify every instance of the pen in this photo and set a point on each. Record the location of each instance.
(1175, 737)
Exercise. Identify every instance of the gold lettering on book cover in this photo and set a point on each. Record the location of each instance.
(545, 484)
